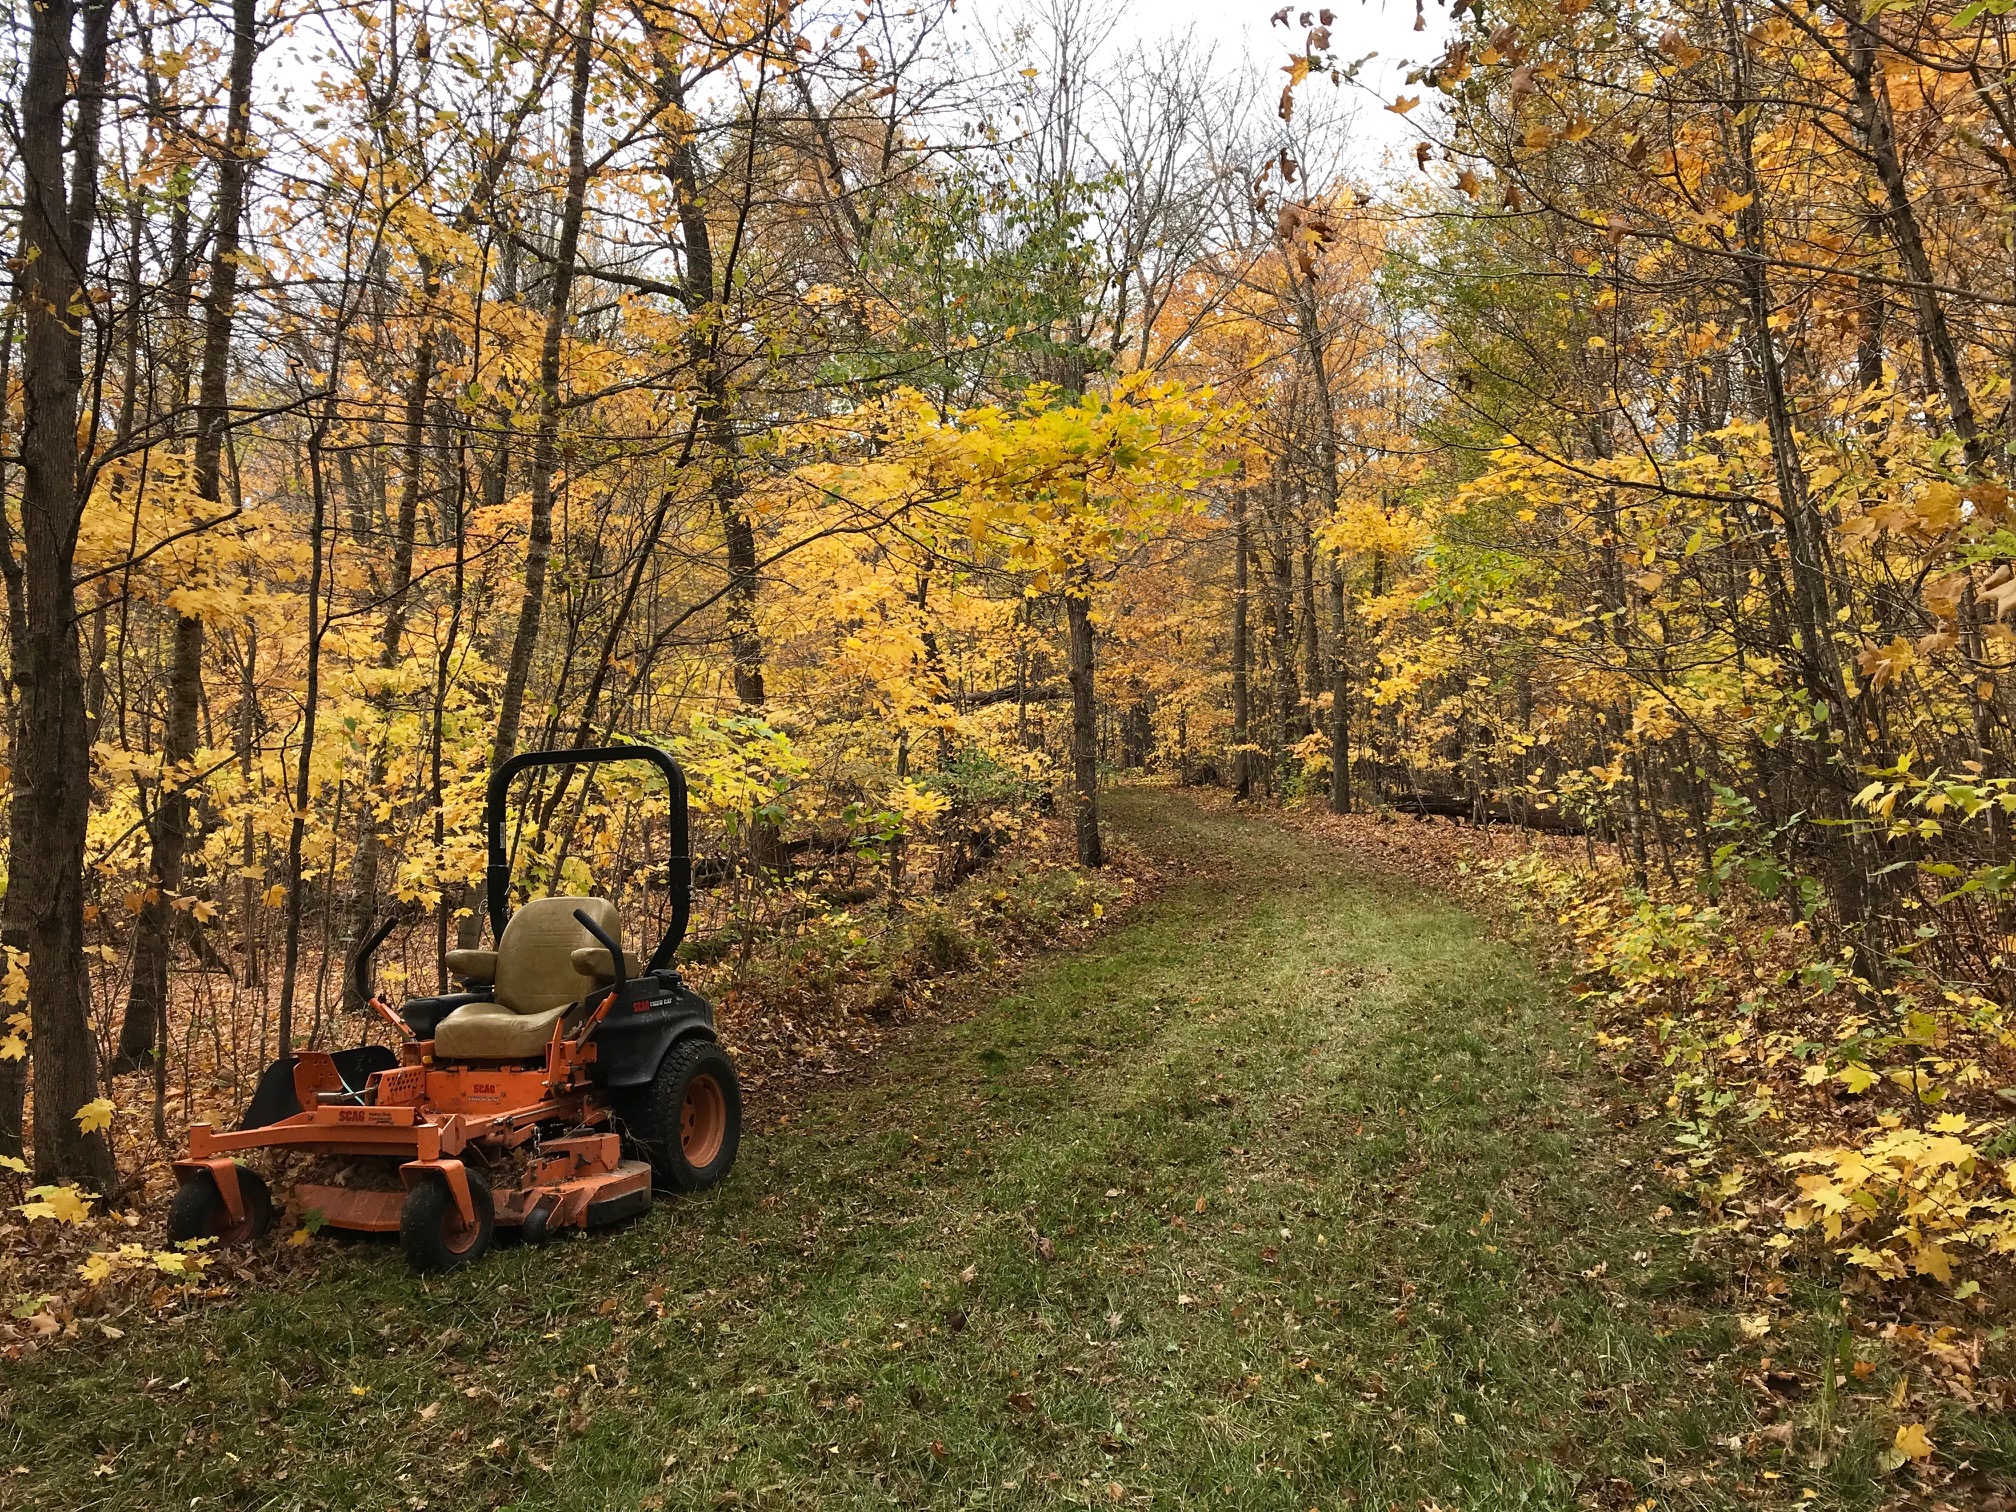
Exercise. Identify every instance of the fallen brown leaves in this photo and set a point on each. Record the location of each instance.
(794, 1026)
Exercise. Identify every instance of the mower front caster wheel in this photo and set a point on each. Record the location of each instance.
(689, 1120)
(431, 1228)
(199, 1211)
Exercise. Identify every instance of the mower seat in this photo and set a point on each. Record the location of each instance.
(422, 1014)
(534, 978)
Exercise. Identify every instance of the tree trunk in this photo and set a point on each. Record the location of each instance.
(1872, 102)
(706, 293)
(1804, 532)
(1084, 726)
(1287, 688)
(147, 1001)
(1315, 357)
(248, 837)
(1340, 693)
(1311, 627)
(704, 302)
(405, 524)
(1872, 99)
(443, 667)
(1852, 867)
(311, 692)
(13, 916)
(153, 944)
(1242, 656)
(1137, 734)
(545, 443)
(52, 759)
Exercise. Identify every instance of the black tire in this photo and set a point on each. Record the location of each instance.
(688, 1122)
(432, 1232)
(198, 1211)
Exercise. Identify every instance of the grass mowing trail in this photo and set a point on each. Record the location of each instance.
(1287, 1194)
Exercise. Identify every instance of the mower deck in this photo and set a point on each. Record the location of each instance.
(426, 1117)
(570, 1187)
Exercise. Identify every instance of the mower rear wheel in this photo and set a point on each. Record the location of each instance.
(689, 1121)
(199, 1211)
(431, 1229)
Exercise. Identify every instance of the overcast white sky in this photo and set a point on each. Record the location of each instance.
(1244, 40)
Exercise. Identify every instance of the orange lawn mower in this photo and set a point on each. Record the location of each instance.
(555, 1090)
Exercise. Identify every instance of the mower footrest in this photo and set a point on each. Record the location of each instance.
(362, 1210)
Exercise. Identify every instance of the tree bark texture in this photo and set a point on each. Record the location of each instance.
(52, 760)
(1084, 729)
(147, 999)
(1242, 653)
(545, 441)
(1340, 693)
(705, 302)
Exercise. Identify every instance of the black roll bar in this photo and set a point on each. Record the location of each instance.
(498, 875)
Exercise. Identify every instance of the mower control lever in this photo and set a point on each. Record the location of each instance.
(360, 964)
(602, 939)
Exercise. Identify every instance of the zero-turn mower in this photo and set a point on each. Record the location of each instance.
(556, 1090)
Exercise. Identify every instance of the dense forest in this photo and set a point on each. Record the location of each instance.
(916, 425)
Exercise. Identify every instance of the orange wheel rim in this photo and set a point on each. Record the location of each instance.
(703, 1121)
(217, 1222)
(460, 1237)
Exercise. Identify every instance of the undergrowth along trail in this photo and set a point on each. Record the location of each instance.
(1295, 1190)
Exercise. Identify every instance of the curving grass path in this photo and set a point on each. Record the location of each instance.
(1289, 1193)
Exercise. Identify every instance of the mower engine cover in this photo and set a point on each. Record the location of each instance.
(651, 1014)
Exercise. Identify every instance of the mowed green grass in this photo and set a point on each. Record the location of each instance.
(1292, 1192)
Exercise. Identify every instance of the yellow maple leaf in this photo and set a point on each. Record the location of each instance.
(1913, 1442)
(96, 1115)
(14, 1163)
(1856, 1077)
(65, 1204)
(1885, 664)
(1938, 507)
(1404, 103)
